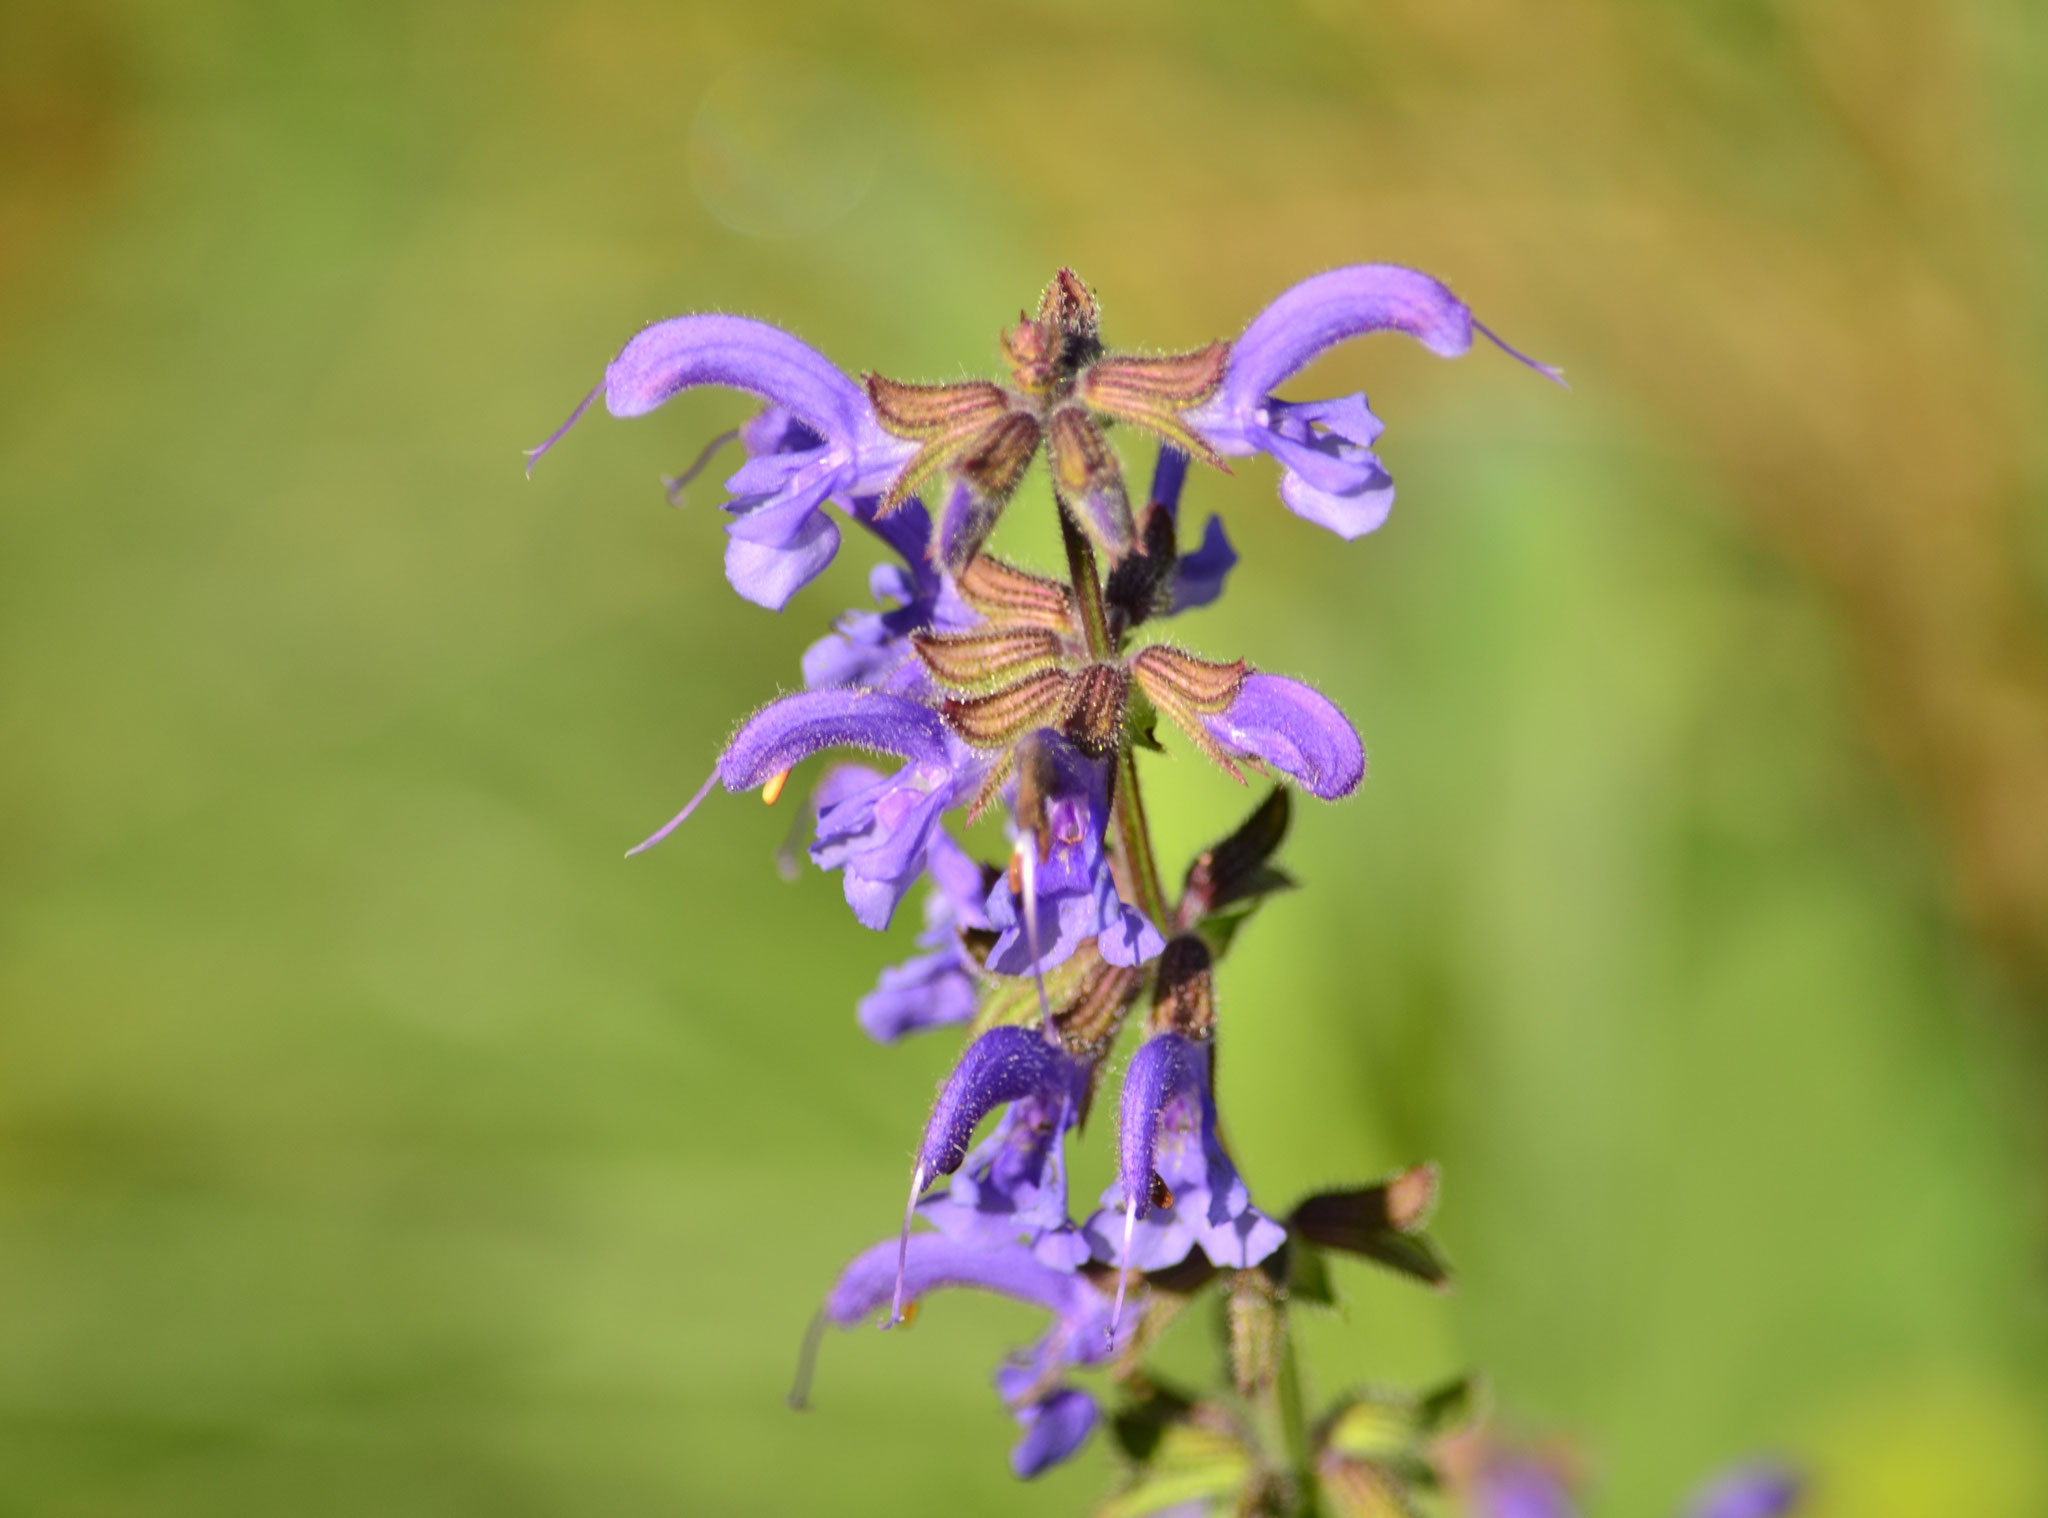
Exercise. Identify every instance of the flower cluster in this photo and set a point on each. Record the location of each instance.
(977, 686)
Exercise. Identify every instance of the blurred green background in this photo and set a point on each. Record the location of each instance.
(374, 1139)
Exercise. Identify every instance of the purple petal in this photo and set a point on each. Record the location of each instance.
(1169, 474)
(1757, 1491)
(1167, 1127)
(741, 354)
(1124, 935)
(1013, 1187)
(1320, 313)
(928, 991)
(1331, 475)
(1003, 1065)
(769, 575)
(1053, 1429)
(785, 732)
(880, 840)
(964, 524)
(1349, 514)
(1295, 729)
(934, 1262)
(958, 883)
(1198, 577)
(1164, 1067)
(857, 652)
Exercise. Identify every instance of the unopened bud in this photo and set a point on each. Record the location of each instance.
(1090, 481)
(1185, 999)
(1239, 866)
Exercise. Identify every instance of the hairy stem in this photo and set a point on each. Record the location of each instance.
(1133, 835)
(1294, 1423)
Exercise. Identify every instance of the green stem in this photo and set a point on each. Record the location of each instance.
(1293, 1422)
(1133, 835)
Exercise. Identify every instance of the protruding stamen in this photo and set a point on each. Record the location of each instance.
(917, 1180)
(1024, 860)
(673, 485)
(679, 819)
(772, 791)
(799, 1397)
(1549, 371)
(533, 454)
(1123, 1274)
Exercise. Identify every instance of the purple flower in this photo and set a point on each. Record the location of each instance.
(1056, 1418)
(1331, 475)
(871, 649)
(1176, 1187)
(1756, 1491)
(1013, 1187)
(1295, 729)
(818, 440)
(1019, 1066)
(879, 837)
(937, 987)
(878, 832)
(1066, 894)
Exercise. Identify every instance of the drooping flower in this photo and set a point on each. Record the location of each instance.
(1013, 1186)
(1331, 475)
(1006, 1065)
(1176, 1187)
(818, 440)
(1060, 891)
(1056, 1418)
(936, 987)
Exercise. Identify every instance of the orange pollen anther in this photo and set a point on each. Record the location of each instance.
(773, 788)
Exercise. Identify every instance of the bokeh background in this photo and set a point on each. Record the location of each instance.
(374, 1139)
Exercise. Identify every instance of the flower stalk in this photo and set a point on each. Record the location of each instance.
(1133, 834)
(976, 684)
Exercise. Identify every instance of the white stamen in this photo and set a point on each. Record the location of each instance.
(1027, 870)
(917, 1179)
(1123, 1275)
